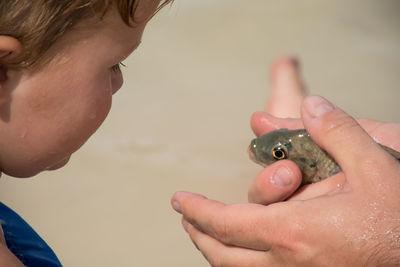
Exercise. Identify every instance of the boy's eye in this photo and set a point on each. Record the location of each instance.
(117, 67)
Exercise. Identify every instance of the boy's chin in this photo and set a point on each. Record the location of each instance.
(30, 172)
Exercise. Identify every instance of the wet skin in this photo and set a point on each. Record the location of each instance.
(297, 145)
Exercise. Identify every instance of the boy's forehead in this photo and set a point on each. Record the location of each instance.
(125, 37)
(110, 31)
(118, 29)
(112, 27)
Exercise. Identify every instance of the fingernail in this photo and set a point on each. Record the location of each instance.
(177, 206)
(317, 106)
(282, 177)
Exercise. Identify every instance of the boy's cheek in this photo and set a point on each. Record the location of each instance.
(53, 113)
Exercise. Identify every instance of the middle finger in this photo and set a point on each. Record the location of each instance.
(219, 254)
(262, 123)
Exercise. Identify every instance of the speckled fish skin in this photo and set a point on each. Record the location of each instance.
(298, 146)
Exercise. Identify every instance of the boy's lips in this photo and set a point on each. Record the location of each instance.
(59, 164)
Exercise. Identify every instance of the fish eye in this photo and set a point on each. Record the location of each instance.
(278, 152)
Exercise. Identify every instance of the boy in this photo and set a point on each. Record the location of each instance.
(59, 67)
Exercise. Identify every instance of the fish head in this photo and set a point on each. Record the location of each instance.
(270, 147)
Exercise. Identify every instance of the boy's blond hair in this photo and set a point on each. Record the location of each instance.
(39, 24)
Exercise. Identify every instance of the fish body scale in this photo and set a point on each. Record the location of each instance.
(314, 162)
(326, 166)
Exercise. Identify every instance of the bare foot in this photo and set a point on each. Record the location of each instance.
(287, 88)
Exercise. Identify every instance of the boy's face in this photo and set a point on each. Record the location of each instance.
(53, 111)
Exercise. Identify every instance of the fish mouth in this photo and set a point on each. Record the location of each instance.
(251, 153)
(253, 156)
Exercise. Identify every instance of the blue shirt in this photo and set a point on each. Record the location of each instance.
(24, 242)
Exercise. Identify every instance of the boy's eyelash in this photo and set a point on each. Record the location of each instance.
(117, 67)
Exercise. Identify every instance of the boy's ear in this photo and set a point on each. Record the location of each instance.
(10, 48)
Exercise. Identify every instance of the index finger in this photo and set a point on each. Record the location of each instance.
(245, 225)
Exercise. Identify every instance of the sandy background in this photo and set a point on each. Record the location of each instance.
(182, 120)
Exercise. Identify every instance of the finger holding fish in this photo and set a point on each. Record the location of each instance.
(262, 123)
(327, 124)
(281, 179)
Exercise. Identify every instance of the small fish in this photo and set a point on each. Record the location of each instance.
(297, 145)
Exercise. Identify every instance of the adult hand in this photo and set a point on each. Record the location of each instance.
(354, 223)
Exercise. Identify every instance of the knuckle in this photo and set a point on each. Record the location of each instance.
(221, 230)
(337, 123)
(224, 228)
(338, 127)
(215, 260)
(219, 262)
(216, 263)
(294, 235)
(295, 239)
(257, 193)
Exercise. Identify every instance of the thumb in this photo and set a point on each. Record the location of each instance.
(275, 183)
(343, 138)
